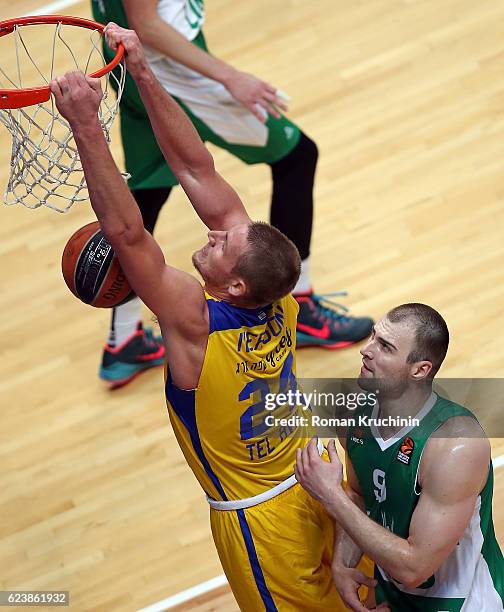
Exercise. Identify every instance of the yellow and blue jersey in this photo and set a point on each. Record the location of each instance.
(222, 426)
(276, 554)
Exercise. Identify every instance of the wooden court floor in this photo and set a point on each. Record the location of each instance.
(405, 99)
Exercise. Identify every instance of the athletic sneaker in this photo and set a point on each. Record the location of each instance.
(142, 350)
(322, 322)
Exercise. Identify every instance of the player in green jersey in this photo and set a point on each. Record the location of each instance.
(424, 490)
(235, 111)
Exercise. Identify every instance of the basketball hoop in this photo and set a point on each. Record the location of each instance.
(45, 165)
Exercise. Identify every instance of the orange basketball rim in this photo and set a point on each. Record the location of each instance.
(18, 98)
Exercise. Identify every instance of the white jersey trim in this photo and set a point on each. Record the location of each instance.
(248, 502)
(211, 102)
(185, 16)
(463, 575)
(386, 444)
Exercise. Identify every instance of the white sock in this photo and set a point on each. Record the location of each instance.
(304, 283)
(125, 320)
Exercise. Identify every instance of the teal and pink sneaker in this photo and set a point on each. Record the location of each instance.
(322, 322)
(141, 351)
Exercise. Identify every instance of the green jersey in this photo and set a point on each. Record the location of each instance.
(186, 16)
(472, 577)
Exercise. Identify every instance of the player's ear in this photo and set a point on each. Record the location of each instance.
(420, 370)
(237, 288)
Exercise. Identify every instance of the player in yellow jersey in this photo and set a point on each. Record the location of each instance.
(228, 345)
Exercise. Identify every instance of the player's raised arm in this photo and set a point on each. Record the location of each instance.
(214, 200)
(174, 296)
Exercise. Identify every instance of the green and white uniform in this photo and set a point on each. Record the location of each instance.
(472, 577)
(217, 116)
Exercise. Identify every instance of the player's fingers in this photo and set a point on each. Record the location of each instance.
(70, 79)
(282, 95)
(273, 105)
(127, 43)
(74, 78)
(255, 110)
(111, 41)
(111, 35)
(63, 85)
(272, 110)
(269, 95)
(95, 84)
(79, 78)
(111, 27)
(129, 40)
(269, 101)
(383, 607)
(331, 449)
(312, 451)
(299, 464)
(76, 82)
(281, 105)
(305, 460)
(270, 89)
(55, 88)
(363, 579)
(354, 603)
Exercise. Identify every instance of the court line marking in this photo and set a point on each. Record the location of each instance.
(218, 581)
(187, 595)
(53, 7)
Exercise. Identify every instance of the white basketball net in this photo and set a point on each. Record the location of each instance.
(45, 166)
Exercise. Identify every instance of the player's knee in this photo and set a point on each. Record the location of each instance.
(304, 156)
(308, 149)
(301, 161)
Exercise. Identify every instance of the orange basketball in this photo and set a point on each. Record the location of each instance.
(92, 271)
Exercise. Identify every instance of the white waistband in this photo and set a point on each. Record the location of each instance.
(248, 502)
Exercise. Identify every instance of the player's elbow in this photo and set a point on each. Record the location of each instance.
(411, 576)
(201, 165)
(122, 234)
(412, 580)
(198, 170)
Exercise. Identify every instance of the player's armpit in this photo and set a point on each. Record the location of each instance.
(454, 471)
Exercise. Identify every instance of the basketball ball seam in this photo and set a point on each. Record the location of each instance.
(97, 292)
(78, 265)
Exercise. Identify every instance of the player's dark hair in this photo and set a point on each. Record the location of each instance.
(431, 333)
(270, 266)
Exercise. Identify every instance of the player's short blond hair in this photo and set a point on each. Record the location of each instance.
(270, 267)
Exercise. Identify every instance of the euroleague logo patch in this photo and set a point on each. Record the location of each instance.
(406, 450)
